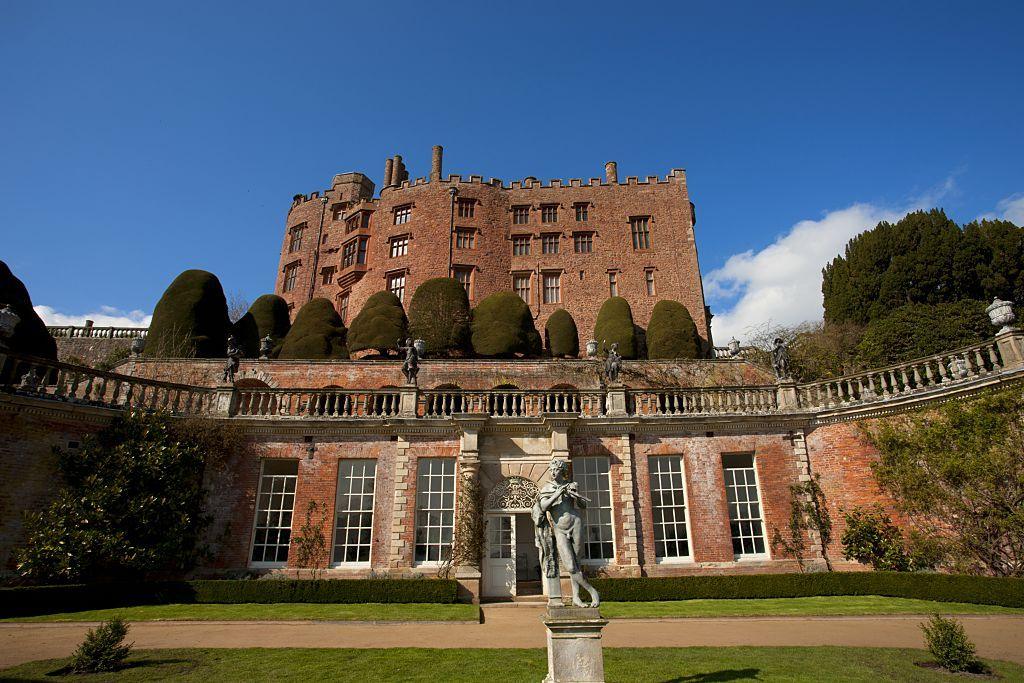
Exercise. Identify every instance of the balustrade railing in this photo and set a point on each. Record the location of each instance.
(512, 402)
(82, 385)
(703, 401)
(327, 403)
(903, 379)
(92, 332)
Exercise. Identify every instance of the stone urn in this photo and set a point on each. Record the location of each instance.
(8, 321)
(420, 346)
(1001, 314)
(138, 346)
(591, 348)
(734, 347)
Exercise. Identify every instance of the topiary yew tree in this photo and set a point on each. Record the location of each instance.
(316, 334)
(190, 320)
(30, 336)
(615, 325)
(503, 326)
(439, 315)
(381, 324)
(562, 336)
(672, 332)
(268, 315)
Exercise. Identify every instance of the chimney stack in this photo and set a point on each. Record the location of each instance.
(389, 169)
(435, 163)
(611, 172)
(398, 173)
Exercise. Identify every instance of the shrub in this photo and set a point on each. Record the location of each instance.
(562, 336)
(615, 325)
(190, 320)
(918, 330)
(950, 646)
(672, 332)
(439, 315)
(114, 358)
(871, 538)
(30, 336)
(381, 324)
(268, 315)
(317, 334)
(503, 325)
(102, 649)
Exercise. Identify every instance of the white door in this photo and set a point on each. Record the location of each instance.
(500, 557)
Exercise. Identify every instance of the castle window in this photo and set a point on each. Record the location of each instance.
(594, 479)
(744, 504)
(549, 243)
(520, 215)
(435, 509)
(343, 306)
(466, 208)
(582, 211)
(360, 220)
(583, 242)
(465, 278)
(354, 252)
(638, 226)
(548, 213)
(353, 527)
(290, 271)
(396, 285)
(327, 275)
(272, 529)
(613, 284)
(521, 245)
(521, 286)
(338, 212)
(399, 246)
(649, 277)
(552, 288)
(295, 241)
(403, 214)
(465, 239)
(668, 505)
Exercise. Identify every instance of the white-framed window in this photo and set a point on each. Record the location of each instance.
(613, 284)
(521, 286)
(552, 288)
(741, 493)
(549, 243)
(399, 246)
(668, 506)
(639, 228)
(649, 279)
(435, 509)
(396, 285)
(275, 502)
(353, 511)
(520, 215)
(521, 245)
(465, 239)
(290, 272)
(403, 214)
(593, 474)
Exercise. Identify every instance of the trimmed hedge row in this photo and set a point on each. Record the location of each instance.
(981, 590)
(31, 600)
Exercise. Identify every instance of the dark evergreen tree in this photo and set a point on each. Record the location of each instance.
(503, 326)
(993, 260)
(381, 325)
(439, 315)
(672, 332)
(30, 336)
(190, 320)
(316, 334)
(918, 330)
(268, 315)
(563, 339)
(615, 325)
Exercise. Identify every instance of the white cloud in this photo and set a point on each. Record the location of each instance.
(1009, 209)
(105, 316)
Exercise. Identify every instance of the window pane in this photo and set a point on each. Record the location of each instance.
(593, 476)
(745, 521)
(668, 501)
(435, 508)
(274, 511)
(353, 525)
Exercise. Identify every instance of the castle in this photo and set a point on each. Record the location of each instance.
(561, 244)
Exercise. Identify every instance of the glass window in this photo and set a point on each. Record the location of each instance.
(638, 226)
(520, 215)
(296, 239)
(592, 475)
(549, 243)
(552, 288)
(465, 278)
(549, 213)
(583, 242)
(649, 276)
(668, 504)
(353, 521)
(464, 239)
(274, 504)
(354, 252)
(435, 508)
(396, 285)
(582, 210)
(402, 215)
(399, 246)
(613, 284)
(466, 208)
(521, 286)
(521, 245)
(327, 275)
(744, 504)
(290, 271)
(343, 306)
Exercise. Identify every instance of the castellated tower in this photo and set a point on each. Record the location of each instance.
(559, 244)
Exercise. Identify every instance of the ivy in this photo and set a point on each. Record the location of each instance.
(808, 512)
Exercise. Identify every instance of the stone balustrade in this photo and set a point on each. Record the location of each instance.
(318, 403)
(92, 332)
(703, 401)
(511, 402)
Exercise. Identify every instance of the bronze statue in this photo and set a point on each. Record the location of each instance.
(613, 364)
(780, 359)
(411, 366)
(234, 354)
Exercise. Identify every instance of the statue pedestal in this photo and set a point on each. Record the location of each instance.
(407, 401)
(574, 644)
(615, 405)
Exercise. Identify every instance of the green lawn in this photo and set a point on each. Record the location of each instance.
(839, 605)
(494, 666)
(273, 612)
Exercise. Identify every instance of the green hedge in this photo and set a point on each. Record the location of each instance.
(981, 590)
(31, 600)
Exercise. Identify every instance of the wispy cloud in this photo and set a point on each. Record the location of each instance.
(104, 316)
(1009, 209)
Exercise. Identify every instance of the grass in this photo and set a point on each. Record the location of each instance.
(273, 612)
(839, 605)
(495, 666)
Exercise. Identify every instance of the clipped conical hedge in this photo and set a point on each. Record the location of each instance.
(503, 326)
(316, 334)
(562, 335)
(439, 315)
(190, 320)
(672, 332)
(381, 324)
(267, 315)
(615, 325)
(30, 336)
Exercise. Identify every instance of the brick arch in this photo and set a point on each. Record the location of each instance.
(253, 378)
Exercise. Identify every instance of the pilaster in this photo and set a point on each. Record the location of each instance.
(401, 515)
(628, 505)
(1011, 348)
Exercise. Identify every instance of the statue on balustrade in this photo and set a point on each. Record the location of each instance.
(613, 364)
(780, 360)
(560, 532)
(411, 366)
(234, 354)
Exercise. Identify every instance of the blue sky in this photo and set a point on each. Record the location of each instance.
(141, 139)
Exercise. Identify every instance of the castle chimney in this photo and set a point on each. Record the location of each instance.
(435, 163)
(398, 173)
(611, 172)
(389, 169)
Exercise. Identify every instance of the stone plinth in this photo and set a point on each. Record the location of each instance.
(616, 401)
(574, 644)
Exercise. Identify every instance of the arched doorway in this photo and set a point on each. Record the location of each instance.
(511, 564)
